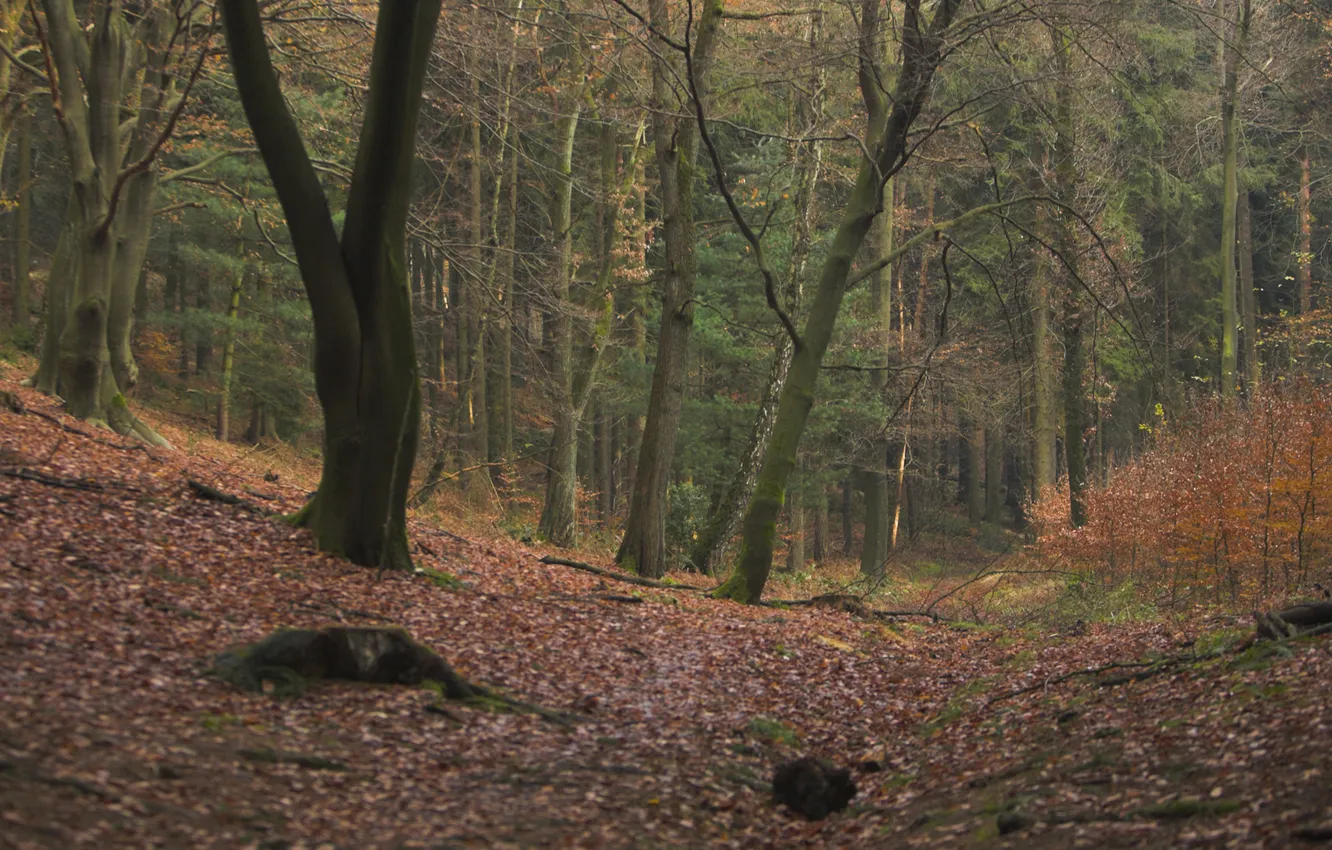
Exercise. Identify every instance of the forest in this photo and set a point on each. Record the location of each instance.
(659, 423)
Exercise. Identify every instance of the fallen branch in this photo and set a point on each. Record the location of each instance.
(611, 574)
(212, 494)
(53, 480)
(852, 605)
(439, 532)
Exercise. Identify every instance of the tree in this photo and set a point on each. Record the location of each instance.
(93, 72)
(643, 548)
(806, 159)
(365, 360)
(923, 47)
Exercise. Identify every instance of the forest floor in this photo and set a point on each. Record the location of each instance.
(118, 585)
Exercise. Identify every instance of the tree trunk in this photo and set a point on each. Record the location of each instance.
(559, 514)
(475, 477)
(1075, 357)
(229, 347)
(874, 546)
(1248, 298)
(848, 500)
(1229, 192)
(1304, 260)
(502, 329)
(22, 310)
(975, 493)
(795, 552)
(964, 470)
(1043, 381)
(365, 364)
(635, 306)
(643, 548)
(822, 545)
(994, 473)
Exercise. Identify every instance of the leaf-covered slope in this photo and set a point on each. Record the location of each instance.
(118, 585)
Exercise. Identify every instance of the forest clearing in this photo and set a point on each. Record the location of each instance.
(660, 423)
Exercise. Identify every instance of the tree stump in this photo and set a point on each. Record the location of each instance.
(813, 787)
(386, 656)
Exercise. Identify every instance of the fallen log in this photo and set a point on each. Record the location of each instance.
(1308, 617)
(212, 494)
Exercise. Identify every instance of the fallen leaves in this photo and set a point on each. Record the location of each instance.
(114, 599)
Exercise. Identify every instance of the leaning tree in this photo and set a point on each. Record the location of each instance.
(364, 354)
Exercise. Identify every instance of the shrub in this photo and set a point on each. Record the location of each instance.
(1228, 506)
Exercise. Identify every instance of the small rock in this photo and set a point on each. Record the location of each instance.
(165, 771)
(1317, 832)
(1010, 822)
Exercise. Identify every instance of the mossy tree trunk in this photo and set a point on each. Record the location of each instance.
(923, 47)
(364, 361)
(1234, 50)
(113, 178)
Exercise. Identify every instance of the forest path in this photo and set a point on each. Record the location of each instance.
(117, 586)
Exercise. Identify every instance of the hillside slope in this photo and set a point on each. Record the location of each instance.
(118, 585)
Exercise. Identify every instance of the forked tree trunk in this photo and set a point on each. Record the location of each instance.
(365, 363)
